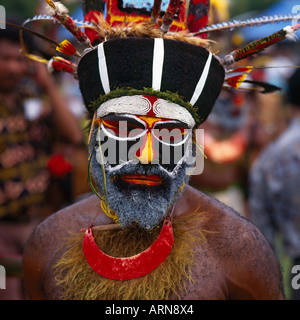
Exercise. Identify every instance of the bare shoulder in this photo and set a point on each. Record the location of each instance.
(59, 224)
(249, 265)
(46, 240)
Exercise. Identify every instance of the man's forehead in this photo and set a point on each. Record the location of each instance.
(144, 105)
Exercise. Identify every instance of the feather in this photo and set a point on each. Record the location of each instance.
(56, 8)
(236, 24)
(155, 10)
(93, 17)
(61, 64)
(290, 31)
(168, 17)
(40, 17)
(60, 14)
(44, 17)
(66, 47)
(259, 45)
(236, 81)
(56, 63)
(247, 69)
(267, 87)
(51, 4)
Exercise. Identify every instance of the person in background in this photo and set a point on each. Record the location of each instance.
(274, 199)
(33, 117)
(226, 134)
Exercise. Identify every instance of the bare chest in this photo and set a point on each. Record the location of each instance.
(206, 282)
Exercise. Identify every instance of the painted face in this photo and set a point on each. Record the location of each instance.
(143, 139)
(145, 161)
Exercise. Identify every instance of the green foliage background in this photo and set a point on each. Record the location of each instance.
(240, 7)
(23, 8)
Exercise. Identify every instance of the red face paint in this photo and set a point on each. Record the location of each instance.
(149, 180)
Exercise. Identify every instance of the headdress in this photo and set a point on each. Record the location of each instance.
(157, 52)
(142, 51)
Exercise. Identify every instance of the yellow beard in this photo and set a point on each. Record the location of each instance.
(79, 281)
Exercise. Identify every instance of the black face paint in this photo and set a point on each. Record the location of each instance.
(122, 138)
(143, 204)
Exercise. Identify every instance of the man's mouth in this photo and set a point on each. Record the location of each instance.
(142, 179)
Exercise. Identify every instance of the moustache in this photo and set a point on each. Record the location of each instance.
(130, 168)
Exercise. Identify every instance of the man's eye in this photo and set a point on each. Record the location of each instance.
(123, 129)
(171, 136)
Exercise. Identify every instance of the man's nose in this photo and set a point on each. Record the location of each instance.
(147, 153)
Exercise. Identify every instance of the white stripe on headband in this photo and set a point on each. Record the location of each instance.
(140, 105)
(202, 81)
(158, 63)
(103, 68)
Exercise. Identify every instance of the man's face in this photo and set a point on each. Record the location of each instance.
(145, 165)
(13, 65)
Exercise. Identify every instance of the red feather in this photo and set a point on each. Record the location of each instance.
(61, 64)
(168, 17)
(247, 69)
(92, 16)
(66, 47)
(236, 81)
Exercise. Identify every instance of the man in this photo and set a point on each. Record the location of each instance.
(145, 234)
(26, 144)
(274, 185)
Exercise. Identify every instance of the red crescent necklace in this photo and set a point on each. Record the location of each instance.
(129, 267)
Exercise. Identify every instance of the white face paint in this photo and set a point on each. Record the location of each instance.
(146, 106)
(142, 186)
(142, 139)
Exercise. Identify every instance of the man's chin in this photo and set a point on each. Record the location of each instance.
(137, 193)
(145, 206)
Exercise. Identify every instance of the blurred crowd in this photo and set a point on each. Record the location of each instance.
(251, 142)
(43, 154)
